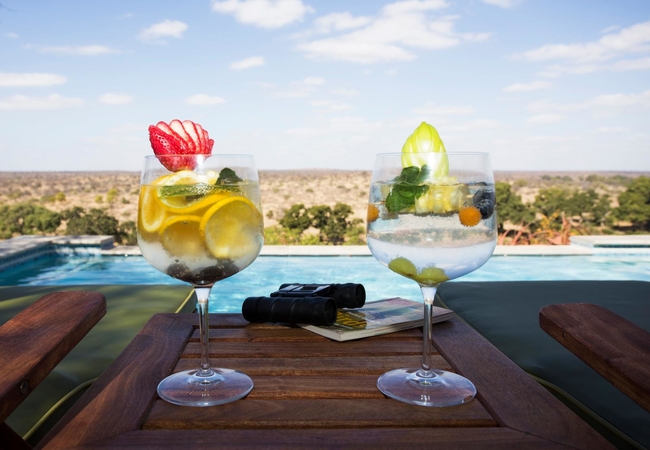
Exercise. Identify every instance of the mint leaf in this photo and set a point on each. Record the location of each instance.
(189, 190)
(227, 176)
(407, 188)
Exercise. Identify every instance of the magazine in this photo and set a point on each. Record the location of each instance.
(380, 317)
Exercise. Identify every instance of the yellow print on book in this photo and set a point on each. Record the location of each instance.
(350, 319)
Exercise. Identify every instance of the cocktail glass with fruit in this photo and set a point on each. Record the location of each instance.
(199, 221)
(431, 218)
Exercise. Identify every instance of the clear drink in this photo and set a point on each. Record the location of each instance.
(431, 235)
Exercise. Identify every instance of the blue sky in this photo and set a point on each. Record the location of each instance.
(539, 84)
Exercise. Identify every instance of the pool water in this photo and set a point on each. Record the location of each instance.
(267, 273)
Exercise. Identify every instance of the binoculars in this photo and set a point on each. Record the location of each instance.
(313, 304)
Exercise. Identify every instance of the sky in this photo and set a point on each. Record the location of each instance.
(544, 85)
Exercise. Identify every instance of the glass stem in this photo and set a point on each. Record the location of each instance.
(429, 294)
(202, 295)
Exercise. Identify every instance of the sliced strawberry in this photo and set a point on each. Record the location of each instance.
(177, 143)
(165, 146)
(208, 142)
(190, 130)
(177, 126)
(199, 133)
(182, 145)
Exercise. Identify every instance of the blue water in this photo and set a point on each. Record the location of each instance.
(267, 273)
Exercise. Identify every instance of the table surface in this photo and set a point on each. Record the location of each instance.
(312, 392)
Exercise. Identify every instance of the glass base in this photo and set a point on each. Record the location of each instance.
(205, 388)
(442, 388)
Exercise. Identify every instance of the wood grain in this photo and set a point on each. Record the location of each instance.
(38, 338)
(611, 345)
(315, 393)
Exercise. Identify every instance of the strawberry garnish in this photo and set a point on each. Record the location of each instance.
(172, 141)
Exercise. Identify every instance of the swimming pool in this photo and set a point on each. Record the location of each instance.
(267, 273)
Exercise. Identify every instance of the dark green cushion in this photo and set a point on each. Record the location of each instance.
(128, 309)
(507, 314)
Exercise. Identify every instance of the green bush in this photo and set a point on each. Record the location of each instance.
(27, 218)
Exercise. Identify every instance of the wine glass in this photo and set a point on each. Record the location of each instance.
(431, 218)
(201, 224)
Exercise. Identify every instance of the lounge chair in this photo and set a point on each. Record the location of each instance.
(507, 314)
(35, 341)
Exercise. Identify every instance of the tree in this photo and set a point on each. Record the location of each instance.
(94, 222)
(511, 209)
(333, 224)
(27, 218)
(634, 203)
(296, 218)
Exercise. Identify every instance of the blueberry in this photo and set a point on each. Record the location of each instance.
(484, 200)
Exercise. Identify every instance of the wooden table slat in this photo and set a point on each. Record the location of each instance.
(408, 438)
(350, 365)
(326, 413)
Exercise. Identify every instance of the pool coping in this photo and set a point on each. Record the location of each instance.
(22, 249)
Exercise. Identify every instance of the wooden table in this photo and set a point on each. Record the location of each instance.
(311, 392)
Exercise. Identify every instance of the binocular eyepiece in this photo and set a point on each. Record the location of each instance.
(314, 304)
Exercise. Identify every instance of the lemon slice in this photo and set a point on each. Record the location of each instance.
(151, 213)
(180, 236)
(232, 229)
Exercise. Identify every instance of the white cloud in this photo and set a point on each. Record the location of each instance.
(502, 3)
(522, 87)
(339, 21)
(545, 118)
(263, 13)
(253, 61)
(612, 52)
(24, 103)
(606, 104)
(204, 100)
(393, 35)
(30, 79)
(164, 29)
(83, 50)
(11, 35)
(115, 99)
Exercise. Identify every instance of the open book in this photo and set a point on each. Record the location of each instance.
(380, 317)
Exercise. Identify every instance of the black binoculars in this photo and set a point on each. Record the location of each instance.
(314, 304)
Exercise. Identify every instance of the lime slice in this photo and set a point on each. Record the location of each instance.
(232, 228)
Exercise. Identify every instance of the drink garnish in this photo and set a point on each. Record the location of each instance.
(429, 276)
(229, 228)
(408, 188)
(484, 200)
(186, 138)
(469, 216)
(425, 139)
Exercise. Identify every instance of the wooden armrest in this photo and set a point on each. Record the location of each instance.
(611, 345)
(39, 337)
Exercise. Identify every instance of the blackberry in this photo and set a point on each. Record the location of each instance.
(484, 200)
